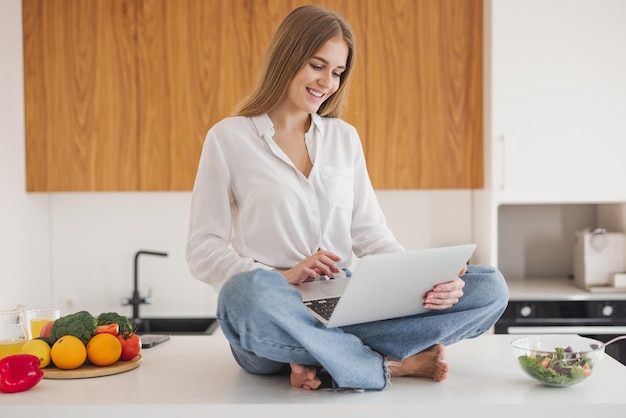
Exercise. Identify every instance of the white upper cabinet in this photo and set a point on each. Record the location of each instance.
(556, 100)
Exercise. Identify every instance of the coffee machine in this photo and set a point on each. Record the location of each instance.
(600, 260)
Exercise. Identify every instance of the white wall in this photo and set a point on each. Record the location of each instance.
(76, 250)
(24, 218)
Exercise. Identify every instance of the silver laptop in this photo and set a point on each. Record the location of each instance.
(384, 286)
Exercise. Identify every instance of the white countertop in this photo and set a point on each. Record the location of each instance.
(563, 289)
(197, 376)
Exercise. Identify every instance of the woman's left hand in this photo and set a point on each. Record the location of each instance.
(445, 295)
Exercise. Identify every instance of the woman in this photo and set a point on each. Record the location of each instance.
(282, 196)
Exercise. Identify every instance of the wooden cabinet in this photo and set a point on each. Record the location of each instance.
(120, 93)
(417, 96)
(80, 76)
(194, 65)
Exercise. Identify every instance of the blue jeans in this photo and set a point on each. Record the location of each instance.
(268, 327)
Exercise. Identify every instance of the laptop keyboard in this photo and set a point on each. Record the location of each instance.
(323, 307)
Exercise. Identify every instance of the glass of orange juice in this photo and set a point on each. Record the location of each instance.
(37, 318)
(12, 332)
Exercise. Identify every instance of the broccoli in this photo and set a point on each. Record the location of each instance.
(80, 324)
(107, 318)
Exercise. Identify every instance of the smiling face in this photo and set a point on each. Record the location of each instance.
(319, 78)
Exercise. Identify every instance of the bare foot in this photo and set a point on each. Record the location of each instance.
(429, 363)
(304, 377)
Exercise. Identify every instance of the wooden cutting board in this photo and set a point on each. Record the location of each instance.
(90, 370)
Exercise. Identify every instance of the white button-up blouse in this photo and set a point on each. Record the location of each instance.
(252, 208)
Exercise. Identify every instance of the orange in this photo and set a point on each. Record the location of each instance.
(104, 349)
(68, 352)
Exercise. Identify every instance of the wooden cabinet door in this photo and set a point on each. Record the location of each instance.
(120, 93)
(194, 65)
(426, 81)
(80, 96)
(416, 98)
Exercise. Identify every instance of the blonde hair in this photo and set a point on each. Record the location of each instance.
(300, 35)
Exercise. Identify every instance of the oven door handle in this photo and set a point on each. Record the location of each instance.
(581, 330)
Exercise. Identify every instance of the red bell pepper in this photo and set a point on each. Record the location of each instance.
(19, 372)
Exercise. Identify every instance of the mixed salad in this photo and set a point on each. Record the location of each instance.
(561, 368)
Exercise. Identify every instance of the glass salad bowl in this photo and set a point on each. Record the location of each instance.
(558, 360)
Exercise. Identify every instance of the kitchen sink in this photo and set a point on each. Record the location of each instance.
(175, 326)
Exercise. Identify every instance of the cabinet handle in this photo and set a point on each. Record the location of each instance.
(501, 138)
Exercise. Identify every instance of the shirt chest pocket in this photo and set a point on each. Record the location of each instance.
(339, 183)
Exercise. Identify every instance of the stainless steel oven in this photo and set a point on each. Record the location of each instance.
(598, 319)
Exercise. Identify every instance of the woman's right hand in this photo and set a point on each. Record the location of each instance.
(322, 263)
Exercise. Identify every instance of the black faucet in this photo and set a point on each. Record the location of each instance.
(137, 300)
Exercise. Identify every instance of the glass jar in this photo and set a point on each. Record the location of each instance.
(12, 330)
